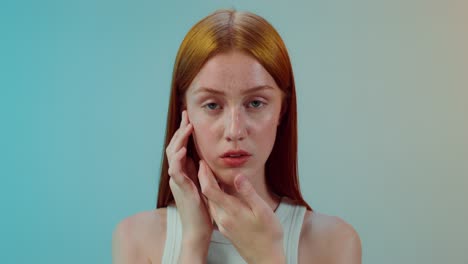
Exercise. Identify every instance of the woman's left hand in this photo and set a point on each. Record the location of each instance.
(251, 225)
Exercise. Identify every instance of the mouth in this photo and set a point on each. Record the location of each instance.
(235, 161)
(235, 158)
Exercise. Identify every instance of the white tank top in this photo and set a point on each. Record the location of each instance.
(221, 249)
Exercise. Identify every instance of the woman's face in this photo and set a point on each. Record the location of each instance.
(234, 104)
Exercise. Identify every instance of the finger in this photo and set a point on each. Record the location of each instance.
(179, 139)
(185, 189)
(176, 135)
(183, 120)
(185, 135)
(208, 207)
(173, 186)
(213, 213)
(210, 187)
(188, 127)
(175, 167)
(212, 191)
(248, 193)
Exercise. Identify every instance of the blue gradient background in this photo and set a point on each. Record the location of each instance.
(383, 119)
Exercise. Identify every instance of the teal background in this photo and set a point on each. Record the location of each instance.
(382, 89)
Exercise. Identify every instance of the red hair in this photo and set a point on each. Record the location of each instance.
(224, 31)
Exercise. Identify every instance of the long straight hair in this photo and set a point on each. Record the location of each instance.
(224, 31)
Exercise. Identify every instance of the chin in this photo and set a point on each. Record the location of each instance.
(227, 175)
(225, 178)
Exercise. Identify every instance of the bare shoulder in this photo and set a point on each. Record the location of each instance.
(140, 238)
(328, 239)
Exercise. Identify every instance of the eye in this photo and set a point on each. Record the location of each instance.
(256, 103)
(211, 106)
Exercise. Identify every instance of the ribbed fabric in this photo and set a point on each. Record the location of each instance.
(221, 249)
(173, 236)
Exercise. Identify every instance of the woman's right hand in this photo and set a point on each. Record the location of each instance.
(197, 225)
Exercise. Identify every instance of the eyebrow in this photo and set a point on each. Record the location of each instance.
(248, 91)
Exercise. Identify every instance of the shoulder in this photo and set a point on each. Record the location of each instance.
(328, 239)
(140, 238)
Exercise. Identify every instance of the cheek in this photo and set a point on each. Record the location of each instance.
(267, 123)
(202, 134)
(201, 127)
(265, 131)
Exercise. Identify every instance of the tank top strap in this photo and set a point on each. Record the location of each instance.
(173, 236)
(291, 217)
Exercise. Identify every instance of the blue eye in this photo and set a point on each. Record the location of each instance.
(212, 106)
(256, 103)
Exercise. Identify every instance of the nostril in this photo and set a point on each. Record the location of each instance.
(229, 138)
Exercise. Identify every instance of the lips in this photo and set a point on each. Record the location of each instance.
(235, 153)
(235, 158)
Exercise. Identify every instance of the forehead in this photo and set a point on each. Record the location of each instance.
(232, 72)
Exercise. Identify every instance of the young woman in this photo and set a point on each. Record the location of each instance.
(229, 189)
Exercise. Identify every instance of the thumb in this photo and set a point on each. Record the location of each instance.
(248, 193)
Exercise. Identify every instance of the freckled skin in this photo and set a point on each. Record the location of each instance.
(323, 238)
(236, 120)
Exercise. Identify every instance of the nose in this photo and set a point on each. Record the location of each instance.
(236, 129)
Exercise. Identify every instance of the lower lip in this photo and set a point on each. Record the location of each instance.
(235, 162)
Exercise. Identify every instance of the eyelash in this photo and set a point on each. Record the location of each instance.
(261, 105)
